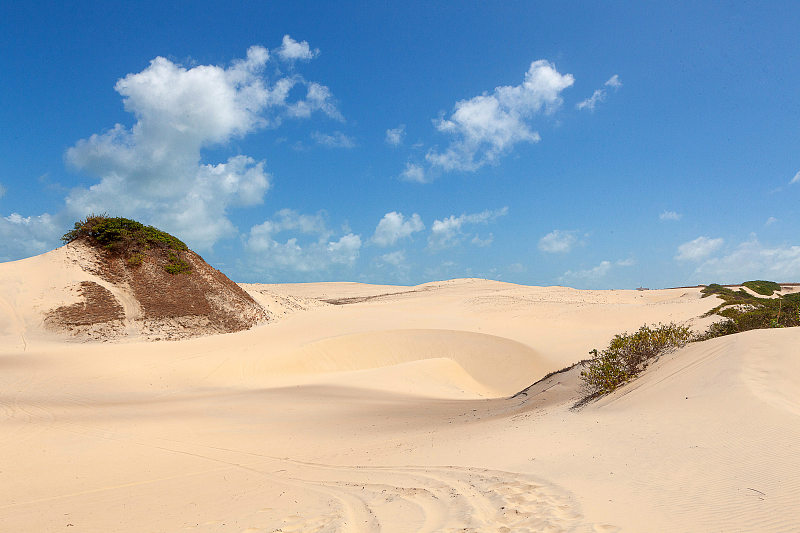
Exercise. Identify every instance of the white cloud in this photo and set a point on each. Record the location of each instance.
(614, 82)
(670, 215)
(396, 258)
(394, 137)
(595, 273)
(292, 50)
(448, 232)
(335, 140)
(752, 260)
(312, 247)
(26, 236)
(488, 126)
(394, 226)
(770, 221)
(795, 179)
(558, 241)
(414, 173)
(345, 250)
(153, 170)
(477, 241)
(599, 94)
(698, 249)
(318, 98)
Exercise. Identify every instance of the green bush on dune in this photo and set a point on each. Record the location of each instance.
(629, 354)
(743, 311)
(129, 238)
(766, 288)
(117, 233)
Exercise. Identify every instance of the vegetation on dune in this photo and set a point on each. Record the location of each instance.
(130, 239)
(177, 265)
(629, 354)
(743, 311)
(119, 234)
(766, 288)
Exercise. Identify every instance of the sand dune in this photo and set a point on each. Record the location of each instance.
(376, 408)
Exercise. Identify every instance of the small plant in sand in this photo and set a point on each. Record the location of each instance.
(628, 354)
(177, 265)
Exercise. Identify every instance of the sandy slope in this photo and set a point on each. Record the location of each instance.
(392, 413)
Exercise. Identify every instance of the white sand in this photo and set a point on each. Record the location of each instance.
(392, 414)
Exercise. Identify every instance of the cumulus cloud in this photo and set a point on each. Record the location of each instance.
(311, 247)
(394, 226)
(153, 170)
(318, 98)
(698, 249)
(795, 179)
(670, 215)
(291, 50)
(599, 94)
(558, 241)
(335, 140)
(488, 126)
(448, 232)
(414, 173)
(752, 260)
(394, 137)
(770, 221)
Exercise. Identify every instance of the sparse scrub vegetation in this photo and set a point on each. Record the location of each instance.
(628, 355)
(744, 312)
(177, 265)
(766, 288)
(131, 239)
(135, 259)
(122, 234)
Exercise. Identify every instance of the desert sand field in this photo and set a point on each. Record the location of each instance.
(361, 408)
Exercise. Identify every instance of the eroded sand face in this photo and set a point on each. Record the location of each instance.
(364, 408)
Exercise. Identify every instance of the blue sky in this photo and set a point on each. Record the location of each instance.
(605, 145)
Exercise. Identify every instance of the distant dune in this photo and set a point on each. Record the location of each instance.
(359, 408)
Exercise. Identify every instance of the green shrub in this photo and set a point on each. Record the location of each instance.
(177, 265)
(122, 234)
(629, 354)
(792, 298)
(135, 259)
(765, 288)
(744, 312)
